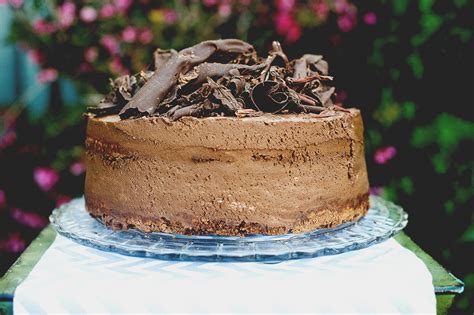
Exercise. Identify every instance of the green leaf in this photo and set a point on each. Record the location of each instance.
(390, 193)
(463, 194)
(453, 130)
(416, 64)
(468, 235)
(399, 6)
(307, 18)
(375, 138)
(425, 5)
(408, 110)
(431, 23)
(440, 163)
(449, 207)
(446, 132)
(406, 184)
(460, 3)
(463, 34)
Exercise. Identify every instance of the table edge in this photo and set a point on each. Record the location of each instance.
(25, 263)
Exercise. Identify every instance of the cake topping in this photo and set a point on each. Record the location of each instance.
(222, 77)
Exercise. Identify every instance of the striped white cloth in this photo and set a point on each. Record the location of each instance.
(70, 278)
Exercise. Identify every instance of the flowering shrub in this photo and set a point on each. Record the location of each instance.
(94, 40)
(41, 167)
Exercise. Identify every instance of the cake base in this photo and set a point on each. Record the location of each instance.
(323, 218)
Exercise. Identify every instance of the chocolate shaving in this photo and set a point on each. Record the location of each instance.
(149, 97)
(247, 112)
(199, 74)
(104, 109)
(161, 57)
(274, 54)
(309, 65)
(222, 77)
(269, 96)
(224, 96)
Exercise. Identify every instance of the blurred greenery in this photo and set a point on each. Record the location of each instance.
(407, 64)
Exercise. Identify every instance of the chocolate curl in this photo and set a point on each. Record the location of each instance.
(309, 64)
(195, 110)
(276, 51)
(200, 73)
(270, 96)
(224, 96)
(177, 112)
(103, 109)
(161, 57)
(148, 98)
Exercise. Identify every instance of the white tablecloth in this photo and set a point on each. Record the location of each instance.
(70, 278)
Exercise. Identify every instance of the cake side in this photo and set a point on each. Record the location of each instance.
(271, 174)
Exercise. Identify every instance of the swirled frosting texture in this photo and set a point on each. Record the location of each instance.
(271, 174)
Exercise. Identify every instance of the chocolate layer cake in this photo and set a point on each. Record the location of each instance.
(233, 145)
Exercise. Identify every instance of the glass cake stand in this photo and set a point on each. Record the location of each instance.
(383, 220)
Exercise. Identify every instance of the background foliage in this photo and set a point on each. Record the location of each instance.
(407, 64)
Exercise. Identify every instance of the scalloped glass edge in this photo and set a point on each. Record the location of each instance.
(383, 220)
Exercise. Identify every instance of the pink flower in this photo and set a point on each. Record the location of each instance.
(287, 26)
(341, 6)
(171, 16)
(123, 5)
(110, 43)
(283, 22)
(62, 200)
(129, 34)
(224, 9)
(209, 3)
(383, 155)
(14, 244)
(36, 56)
(370, 18)
(84, 67)
(346, 22)
(47, 75)
(7, 138)
(30, 219)
(16, 3)
(3, 199)
(145, 36)
(40, 26)
(116, 66)
(91, 54)
(107, 11)
(294, 33)
(285, 5)
(45, 177)
(376, 190)
(88, 14)
(3, 2)
(67, 14)
(77, 168)
(321, 9)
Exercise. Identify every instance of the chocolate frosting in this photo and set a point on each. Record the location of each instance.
(270, 174)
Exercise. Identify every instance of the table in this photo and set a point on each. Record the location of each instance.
(446, 285)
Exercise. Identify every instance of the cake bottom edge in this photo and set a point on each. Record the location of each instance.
(322, 218)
